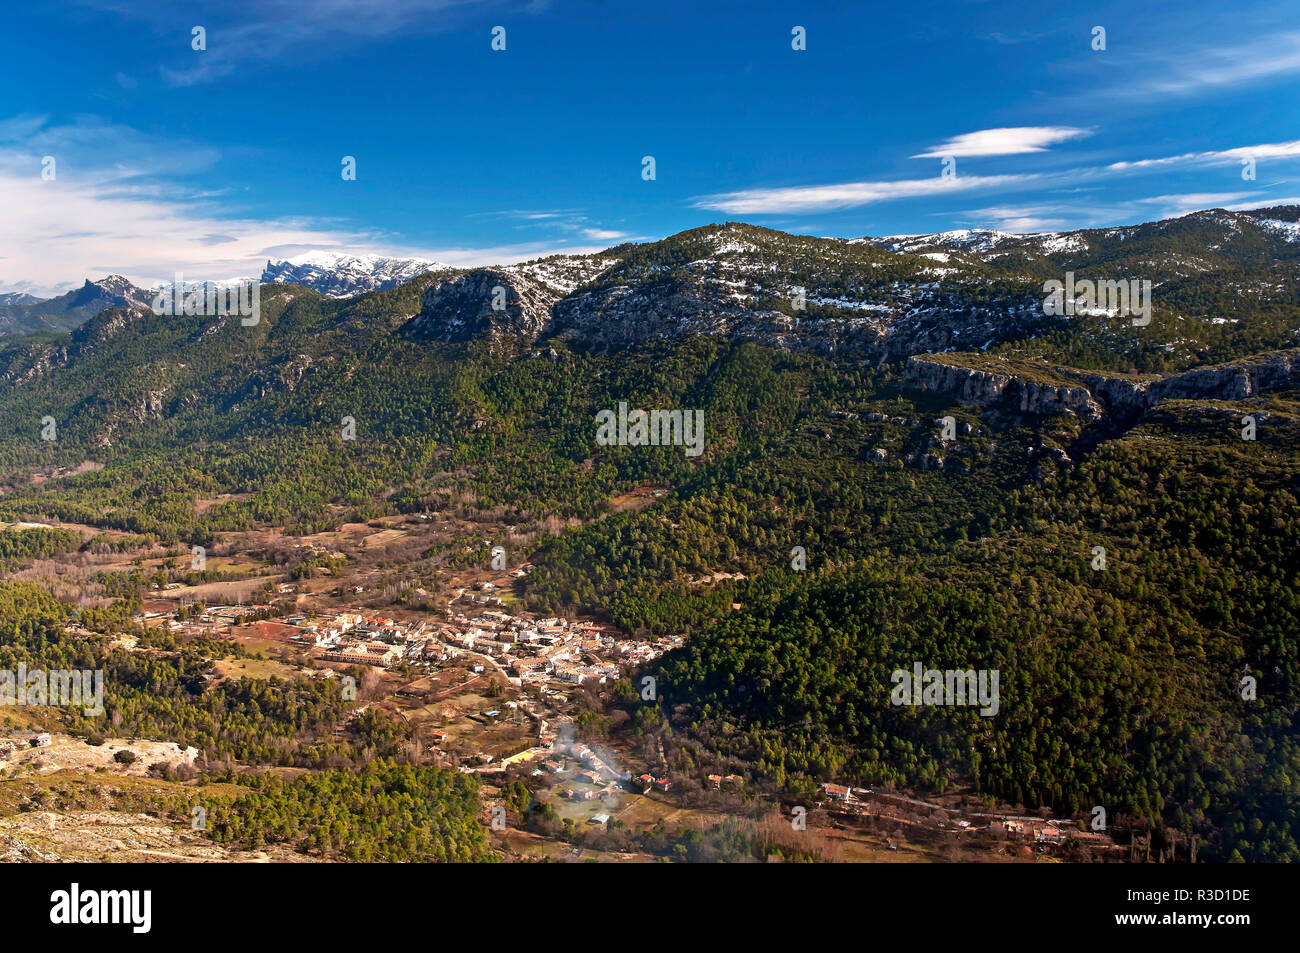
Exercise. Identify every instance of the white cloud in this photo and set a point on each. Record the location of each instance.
(1012, 140)
(1007, 218)
(824, 198)
(602, 234)
(1274, 150)
(558, 222)
(279, 32)
(127, 218)
(821, 198)
(1263, 203)
(1011, 39)
(1216, 66)
(1193, 201)
(535, 216)
(1064, 216)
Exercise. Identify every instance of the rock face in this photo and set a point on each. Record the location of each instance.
(1234, 381)
(105, 326)
(733, 281)
(1097, 394)
(486, 303)
(1009, 391)
(613, 318)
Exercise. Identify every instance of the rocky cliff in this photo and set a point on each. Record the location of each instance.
(1248, 377)
(1026, 393)
(485, 303)
(1047, 390)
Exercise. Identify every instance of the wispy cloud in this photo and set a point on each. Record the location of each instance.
(830, 197)
(287, 31)
(119, 157)
(1194, 201)
(1268, 150)
(1012, 39)
(1018, 218)
(128, 216)
(1060, 216)
(560, 222)
(1264, 203)
(1215, 66)
(1012, 140)
(822, 198)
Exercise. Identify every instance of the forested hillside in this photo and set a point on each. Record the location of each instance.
(971, 548)
(1119, 687)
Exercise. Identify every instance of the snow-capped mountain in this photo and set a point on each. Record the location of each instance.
(1288, 231)
(21, 313)
(962, 239)
(986, 244)
(338, 275)
(980, 242)
(887, 298)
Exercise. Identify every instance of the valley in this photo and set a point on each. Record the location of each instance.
(365, 583)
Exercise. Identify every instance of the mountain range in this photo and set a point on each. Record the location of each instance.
(885, 298)
(950, 458)
(963, 309)
(339, 275)
(332, 274)
(25, 314)
(957, 314)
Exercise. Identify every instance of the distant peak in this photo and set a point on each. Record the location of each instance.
(110, 281)
(339, 274)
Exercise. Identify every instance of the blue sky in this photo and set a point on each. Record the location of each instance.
(167, 158)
